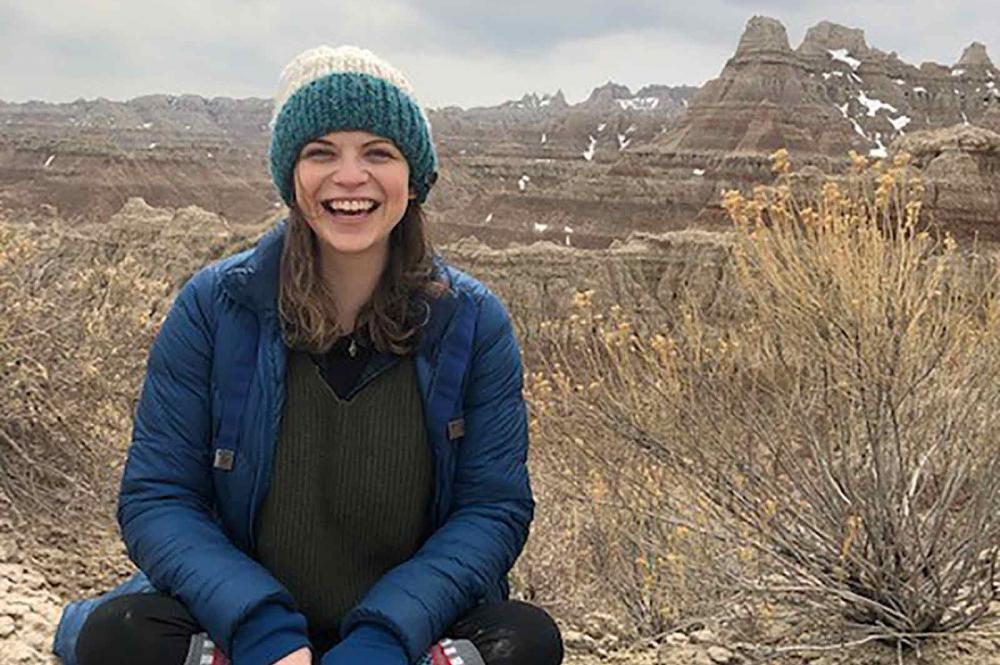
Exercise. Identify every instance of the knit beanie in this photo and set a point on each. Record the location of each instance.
(347, 88)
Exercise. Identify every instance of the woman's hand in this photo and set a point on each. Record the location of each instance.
(301, 657)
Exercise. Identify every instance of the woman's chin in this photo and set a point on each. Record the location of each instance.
(346, 246)
(350, 234)
(348, 241)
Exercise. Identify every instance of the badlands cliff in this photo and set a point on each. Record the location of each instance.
(538, 168)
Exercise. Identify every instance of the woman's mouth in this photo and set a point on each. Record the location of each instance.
(354, 209)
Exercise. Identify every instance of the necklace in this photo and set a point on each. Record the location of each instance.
(352, 349)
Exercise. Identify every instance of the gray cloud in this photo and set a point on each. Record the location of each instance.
(523, 27)
(454, 52)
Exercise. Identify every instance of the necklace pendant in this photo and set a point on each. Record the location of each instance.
(352, 349)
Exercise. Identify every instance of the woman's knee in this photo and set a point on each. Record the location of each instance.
(513, 632)
(539, 633)
(151, 624)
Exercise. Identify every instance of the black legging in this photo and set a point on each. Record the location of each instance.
(160, 628)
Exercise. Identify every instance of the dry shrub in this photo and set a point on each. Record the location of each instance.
(862, 402)
(70, 335)
(839, 430)
(79, 308)
(616, 530)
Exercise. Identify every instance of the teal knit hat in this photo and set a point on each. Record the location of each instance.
(327, 90)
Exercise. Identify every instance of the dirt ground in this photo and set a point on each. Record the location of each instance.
(36, 580)
(29, 609)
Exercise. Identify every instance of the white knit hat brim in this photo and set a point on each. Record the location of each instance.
(321, 61)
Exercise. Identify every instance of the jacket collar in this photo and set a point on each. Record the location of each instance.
(252, 279)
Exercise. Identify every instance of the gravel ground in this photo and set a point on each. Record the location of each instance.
(32, 595)
(29, 611)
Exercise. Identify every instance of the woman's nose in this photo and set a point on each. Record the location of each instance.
(350, 171)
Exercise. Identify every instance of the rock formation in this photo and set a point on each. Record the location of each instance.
(831, 94)
(960, 166)
(88, 157)
(763, 36)
(537, 168)
(975, 57)
(646, 274)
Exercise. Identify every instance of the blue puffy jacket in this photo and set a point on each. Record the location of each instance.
(203, 443)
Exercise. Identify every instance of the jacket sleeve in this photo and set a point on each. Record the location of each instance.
(491, 510)
(167, 499)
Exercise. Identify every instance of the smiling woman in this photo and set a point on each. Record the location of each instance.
(353, 208)
(352, 189)
(328, 462)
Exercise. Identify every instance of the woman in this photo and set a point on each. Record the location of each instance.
(328, 459)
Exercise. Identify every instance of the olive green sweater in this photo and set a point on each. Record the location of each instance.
(349, 490)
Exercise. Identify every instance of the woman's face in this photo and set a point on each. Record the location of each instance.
(352, 189)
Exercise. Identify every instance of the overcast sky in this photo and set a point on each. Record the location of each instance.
(454, 51)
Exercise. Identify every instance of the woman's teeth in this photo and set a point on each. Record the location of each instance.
(350, 207)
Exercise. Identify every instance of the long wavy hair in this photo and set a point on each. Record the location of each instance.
(393, 316)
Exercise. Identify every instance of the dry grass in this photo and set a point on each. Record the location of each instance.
(78, 312)
(615, 530)
(833, 443)
(72, 332)
(830, 442)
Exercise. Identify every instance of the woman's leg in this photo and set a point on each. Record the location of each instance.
(151, 628)
(511, 632)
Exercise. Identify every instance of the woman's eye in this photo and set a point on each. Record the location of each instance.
(380, 154)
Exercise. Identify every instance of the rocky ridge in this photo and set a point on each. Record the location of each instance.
(608, 121)
(539, 168)
(646, 275)
(88, 157)
(832, 93)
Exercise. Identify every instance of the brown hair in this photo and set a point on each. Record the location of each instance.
(397, 309)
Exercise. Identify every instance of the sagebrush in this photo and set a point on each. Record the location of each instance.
(841, 427)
